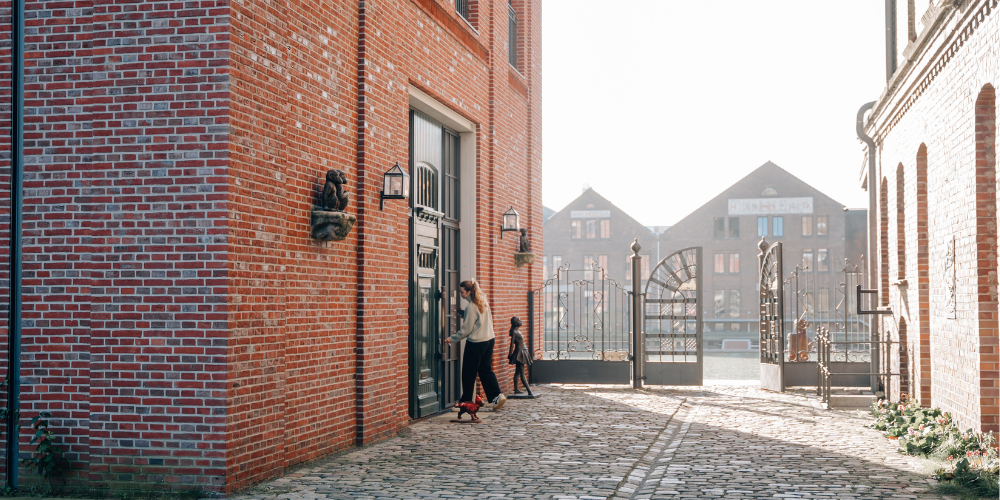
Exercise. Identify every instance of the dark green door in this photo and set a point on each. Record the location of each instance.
(434, 239)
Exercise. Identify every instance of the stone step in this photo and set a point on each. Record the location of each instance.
(850, 401)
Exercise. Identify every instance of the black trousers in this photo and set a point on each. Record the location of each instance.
(478, 360)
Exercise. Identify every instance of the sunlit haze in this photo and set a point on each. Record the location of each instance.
(661, 105)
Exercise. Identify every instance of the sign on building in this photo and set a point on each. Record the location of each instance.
(768, 206)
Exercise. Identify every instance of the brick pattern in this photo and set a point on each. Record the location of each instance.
(938, 121)
(986, 256)
(180, 323)
(922, 341)
(124, 309)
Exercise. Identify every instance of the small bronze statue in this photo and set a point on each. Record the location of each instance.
(525, 245)
(334, 198)
(518, 354)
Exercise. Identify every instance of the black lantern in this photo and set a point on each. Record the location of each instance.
(395, 185)
(511, 222)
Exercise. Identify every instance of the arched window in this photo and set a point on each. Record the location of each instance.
(769, 191)
(426, 186)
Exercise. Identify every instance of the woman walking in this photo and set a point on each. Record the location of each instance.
(477, 327)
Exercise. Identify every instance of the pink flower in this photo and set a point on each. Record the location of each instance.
(911, 431)
(900, 408)
(921, 427)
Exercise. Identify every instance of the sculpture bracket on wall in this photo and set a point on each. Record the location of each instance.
(329, 221)
(523, 255)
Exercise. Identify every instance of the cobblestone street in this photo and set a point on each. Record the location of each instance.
(612, 442)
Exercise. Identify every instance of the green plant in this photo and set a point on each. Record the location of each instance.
(47, 458)
(931, 433)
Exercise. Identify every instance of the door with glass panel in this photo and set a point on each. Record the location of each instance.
(434, 265)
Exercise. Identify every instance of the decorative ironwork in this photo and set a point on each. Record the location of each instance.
(772, 320)
(585, 315)
(672, 314)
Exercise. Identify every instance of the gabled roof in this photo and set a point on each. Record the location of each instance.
(769, 172)
(591, 196)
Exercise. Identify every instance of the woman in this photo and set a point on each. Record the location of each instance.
(477, 327)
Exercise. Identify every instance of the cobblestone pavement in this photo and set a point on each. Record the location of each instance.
(597, 442)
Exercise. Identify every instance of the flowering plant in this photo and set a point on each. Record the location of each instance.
(973, 458)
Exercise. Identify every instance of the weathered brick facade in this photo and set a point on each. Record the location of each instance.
(180, 323)
(934, 129)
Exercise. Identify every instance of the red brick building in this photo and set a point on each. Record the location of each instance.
(931, 175)
(179, 322)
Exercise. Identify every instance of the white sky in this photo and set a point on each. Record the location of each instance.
(659, 105)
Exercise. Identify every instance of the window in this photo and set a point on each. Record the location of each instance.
(720, 263)
(734, 227)
(720, 303)
(545, 266)
(761, 226)
(821, 225)
(823, 302)
(734, 303)
(807, 259)
(512, 35)
(467, 9)
(576, 229)
(645, 266)
(591, 229)
(588, 267)
(807, 225)
(605, 229)
(602, 262)
(822, 261)
(778, 226)
(556, 263)
(720, 227)
(769, 191)
(734, 263)
(628, 268)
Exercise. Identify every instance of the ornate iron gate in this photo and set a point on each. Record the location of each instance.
(772, 318)
(585, 318)
(672, 318)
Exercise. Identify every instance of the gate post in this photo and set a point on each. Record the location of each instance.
(638, 337)
(531, 329)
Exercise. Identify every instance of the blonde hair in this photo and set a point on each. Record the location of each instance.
(476, 295)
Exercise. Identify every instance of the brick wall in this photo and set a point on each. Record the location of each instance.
(937, 121)
(180, 322)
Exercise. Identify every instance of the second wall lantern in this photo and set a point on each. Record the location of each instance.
(511, 222)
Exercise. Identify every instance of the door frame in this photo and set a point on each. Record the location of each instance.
(466, 130)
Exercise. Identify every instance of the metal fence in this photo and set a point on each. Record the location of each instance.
(808, 298)
(583, 314)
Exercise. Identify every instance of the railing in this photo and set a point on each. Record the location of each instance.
(581, 314)
(512, 35)
(831, 357)
(808, 311)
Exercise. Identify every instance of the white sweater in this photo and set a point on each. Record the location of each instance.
(477, 327)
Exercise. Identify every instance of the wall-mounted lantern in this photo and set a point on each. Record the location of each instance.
(511, 222)
(395, 185)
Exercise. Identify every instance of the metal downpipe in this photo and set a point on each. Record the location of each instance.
(872, 228)
(16, 216)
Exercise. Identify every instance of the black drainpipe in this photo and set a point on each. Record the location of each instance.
(872, 232)
(16, 186)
